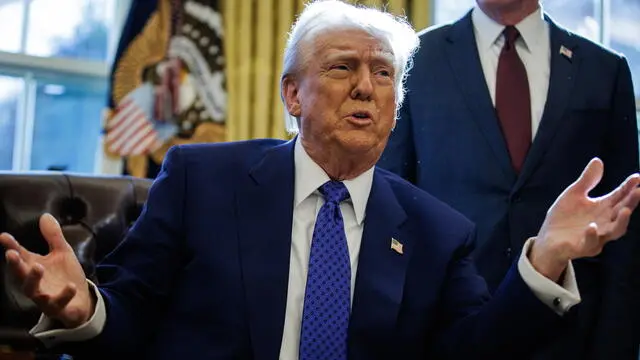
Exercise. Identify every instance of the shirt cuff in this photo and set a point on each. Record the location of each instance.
(47, 332)
(559, 298)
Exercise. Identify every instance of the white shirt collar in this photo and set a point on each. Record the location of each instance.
(488, 32)
(309, 176)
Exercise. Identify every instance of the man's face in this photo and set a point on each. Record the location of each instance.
(500, 4)
(344, 95)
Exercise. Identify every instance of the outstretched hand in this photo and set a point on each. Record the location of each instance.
(56, 281)
(578, 226)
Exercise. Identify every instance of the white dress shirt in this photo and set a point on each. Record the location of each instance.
(306, 205)
(533, 47)
(307, 202)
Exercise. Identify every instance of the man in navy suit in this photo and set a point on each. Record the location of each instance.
(504, 109)
(268, 249)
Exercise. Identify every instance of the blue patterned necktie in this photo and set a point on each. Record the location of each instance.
(327, 299)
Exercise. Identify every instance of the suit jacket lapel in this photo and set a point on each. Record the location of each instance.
(561, 80)
(265, 211)
(381, 270)
(462, 53)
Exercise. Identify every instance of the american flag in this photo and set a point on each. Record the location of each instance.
(396, 246)
(566, 52)
(130, 131)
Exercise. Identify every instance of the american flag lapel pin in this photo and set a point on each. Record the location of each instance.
(564, 51)
(396, 246)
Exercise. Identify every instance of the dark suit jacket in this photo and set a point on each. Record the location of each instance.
(203, 273)
(449, 143)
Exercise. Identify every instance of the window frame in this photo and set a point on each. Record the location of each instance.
(30, 68)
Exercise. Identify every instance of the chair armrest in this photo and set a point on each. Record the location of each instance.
(18, 340)
(18, 344)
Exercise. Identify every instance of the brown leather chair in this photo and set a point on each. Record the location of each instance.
(95, 213)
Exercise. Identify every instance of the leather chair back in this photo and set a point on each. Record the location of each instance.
(95, 213)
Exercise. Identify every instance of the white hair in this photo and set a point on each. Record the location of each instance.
(322, 15)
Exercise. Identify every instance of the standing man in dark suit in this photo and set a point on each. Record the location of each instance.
(304, 249)
(504, 108)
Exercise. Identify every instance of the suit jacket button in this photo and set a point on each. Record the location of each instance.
(556, 302)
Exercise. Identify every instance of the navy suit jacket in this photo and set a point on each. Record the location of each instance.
(203, 273)
(448, 142)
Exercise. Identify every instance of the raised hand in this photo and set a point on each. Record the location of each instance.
(56, 281)
(578, 226)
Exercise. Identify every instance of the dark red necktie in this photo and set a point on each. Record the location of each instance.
(513, 101)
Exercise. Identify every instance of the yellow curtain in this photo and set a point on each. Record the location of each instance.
(255, 36)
